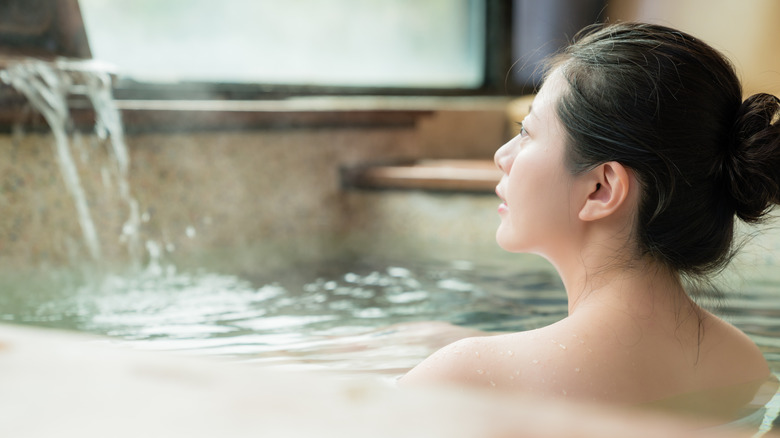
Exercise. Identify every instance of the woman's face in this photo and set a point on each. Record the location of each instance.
(536, 213)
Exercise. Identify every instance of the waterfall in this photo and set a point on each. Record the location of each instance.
(48, 87)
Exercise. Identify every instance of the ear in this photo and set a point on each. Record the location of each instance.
(607, 190)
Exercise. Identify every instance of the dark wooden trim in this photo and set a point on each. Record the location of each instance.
(43, 29)
(225, 115)
(193, 116)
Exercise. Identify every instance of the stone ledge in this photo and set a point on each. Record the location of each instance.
(479, 176)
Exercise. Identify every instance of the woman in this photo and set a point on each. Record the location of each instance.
(627, 175)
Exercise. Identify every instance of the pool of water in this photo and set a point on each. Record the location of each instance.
(348, 318)
(361, 316)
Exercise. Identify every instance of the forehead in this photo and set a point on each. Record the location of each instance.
(553, 86)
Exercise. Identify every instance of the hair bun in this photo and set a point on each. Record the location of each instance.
(752, 167)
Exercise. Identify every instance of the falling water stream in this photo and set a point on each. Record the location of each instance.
(48, 86)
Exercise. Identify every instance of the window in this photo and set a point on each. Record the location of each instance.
(432, 44)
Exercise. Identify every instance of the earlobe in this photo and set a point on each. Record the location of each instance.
(607, 189)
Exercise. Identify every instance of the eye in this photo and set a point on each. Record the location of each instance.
(523, 132)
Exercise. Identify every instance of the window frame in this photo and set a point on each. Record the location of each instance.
(497, 44)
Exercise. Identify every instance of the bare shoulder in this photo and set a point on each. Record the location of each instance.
(457, 363)
(614, 359)
(729, 356)
(509, 361)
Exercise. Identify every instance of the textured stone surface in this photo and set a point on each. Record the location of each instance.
(255, 191)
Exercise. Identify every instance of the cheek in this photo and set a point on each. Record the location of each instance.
(525, 199)
(539, 210)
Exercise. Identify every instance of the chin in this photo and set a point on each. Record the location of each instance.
(518, 244)
(509, 244)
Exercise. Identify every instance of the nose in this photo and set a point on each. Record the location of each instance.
(504, 156)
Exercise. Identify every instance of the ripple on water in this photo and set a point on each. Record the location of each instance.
(338, 320)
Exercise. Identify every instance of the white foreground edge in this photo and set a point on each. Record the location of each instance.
(58, 384)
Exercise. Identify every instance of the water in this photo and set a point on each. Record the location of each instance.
(351, 316)
(341, 317)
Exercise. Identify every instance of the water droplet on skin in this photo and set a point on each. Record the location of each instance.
(510, 353)
(534, 361)
(476, 353)
(562, 346)
(480, 372)
(517, 372)
(511, 377)
(576, 370)
(564, 392)
(492, 383)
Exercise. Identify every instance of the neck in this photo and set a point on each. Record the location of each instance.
(630, 284)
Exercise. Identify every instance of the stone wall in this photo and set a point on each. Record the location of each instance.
(256, 192)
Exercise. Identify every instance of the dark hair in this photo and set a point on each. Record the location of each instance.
(669, 107)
